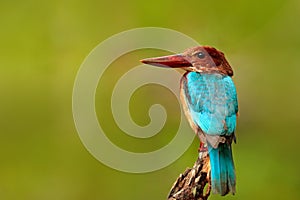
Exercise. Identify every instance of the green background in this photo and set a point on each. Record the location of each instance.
(43, 44)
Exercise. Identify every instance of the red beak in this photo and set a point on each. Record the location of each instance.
(174, 61)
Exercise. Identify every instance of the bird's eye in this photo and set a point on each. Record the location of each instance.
(201, 55)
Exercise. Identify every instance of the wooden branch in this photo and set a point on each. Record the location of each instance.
(194, 183)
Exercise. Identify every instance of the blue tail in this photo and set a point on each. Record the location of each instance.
(222, 169)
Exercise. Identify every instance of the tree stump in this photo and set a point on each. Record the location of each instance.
(194, 183)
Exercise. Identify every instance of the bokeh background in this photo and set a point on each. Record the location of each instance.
(43, 44)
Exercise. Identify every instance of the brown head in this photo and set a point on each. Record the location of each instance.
(203, 59)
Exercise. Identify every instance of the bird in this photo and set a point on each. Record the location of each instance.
(209, 100)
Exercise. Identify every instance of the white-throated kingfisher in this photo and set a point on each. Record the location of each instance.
(209, 99)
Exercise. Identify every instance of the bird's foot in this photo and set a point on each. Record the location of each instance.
(202, 147)
(202, 150)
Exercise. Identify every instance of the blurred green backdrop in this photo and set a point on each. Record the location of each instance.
(43, 44)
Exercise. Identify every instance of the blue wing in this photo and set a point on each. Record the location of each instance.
(211, 101)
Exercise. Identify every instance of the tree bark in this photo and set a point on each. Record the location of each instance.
(194, 183)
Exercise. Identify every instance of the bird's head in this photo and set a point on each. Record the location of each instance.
(203, 59)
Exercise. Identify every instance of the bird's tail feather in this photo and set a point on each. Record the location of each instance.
(222, 169)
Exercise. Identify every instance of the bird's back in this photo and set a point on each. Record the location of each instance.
(211, 102)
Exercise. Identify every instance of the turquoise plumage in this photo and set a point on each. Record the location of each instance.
(212, 102)
(209, 99)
